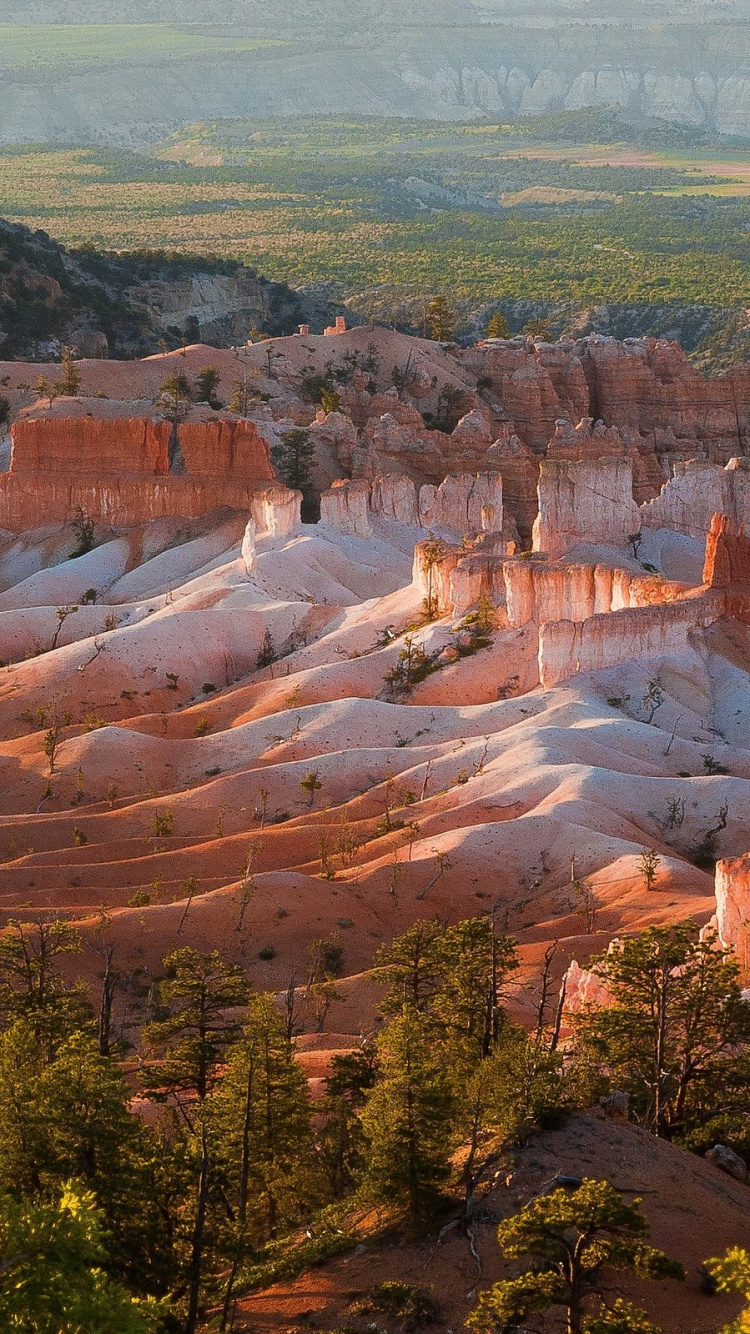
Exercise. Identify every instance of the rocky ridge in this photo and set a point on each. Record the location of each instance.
(684, 65)
(127, 304)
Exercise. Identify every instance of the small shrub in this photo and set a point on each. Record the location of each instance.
(267, 953)
(202, 727)
(163, 824)
(712, 766)
(208, 687)
(84, 529)
(398, 1300)
(80, 839)
(141, 899)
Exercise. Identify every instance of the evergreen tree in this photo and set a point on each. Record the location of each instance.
(411, 967)
(71, 1118)
(174, 403)
(293, 456)
(537, 329)
(196, 1031)
(341, 1142)
(262, 1146)
(407, 1121)
(731, 1273)
(476, 962)
(194, 1038)
(498, 326)
(676, 1036)
(260, 1122)
(243, 395)
(570, 1240)
(70, 384)
(454, 975)
(52, 1279)
(32, 988)
(440, 319)
(206, 385)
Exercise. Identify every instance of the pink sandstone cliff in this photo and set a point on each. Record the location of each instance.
(733, 908)
(117, 470)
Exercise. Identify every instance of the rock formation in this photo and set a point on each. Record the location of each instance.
(463, 504)
(460, 506)
(117, 469)
(634, 634)
(732, 889)
(698, 490)
(346, 507)
(588, 501)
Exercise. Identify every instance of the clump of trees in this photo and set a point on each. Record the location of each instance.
(112, 1220)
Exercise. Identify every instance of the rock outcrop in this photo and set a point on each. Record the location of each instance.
(463, 504)
(460, 506)
(588, 501)
(346, 507)
(541, 592)
(697, 491)
(732, 889)
(275, 510)
(633, 634)
(117, 470)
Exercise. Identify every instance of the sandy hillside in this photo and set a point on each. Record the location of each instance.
(177, 802)
(694, 1212)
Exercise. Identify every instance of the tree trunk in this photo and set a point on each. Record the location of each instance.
(105, 1007)
(196, 1252)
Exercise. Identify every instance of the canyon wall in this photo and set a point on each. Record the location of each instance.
(117, 470)
(588, 501)
(569, 647)
(460, 505)
(688, 501)
(540, 592)
(451, 60)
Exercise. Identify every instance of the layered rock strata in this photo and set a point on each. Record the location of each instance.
(118, 472)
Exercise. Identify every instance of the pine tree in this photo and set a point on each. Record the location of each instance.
(454, 976)
(498, 326)
(407, 1121)
(71, 1118)
(410, 967)
(261, 1123)
(194, 1038)
(32, 987)
(53, 1278)
(70, 384)
(676, 1036)
(293, 456)
(261, 1136)
(440, 319)
(174, 401)
(476, 962)
(194, 1035)
(206, 384)
(243, 395)
(537, 329)
(341, 1144)
(569, 1241)
(731, 1273)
